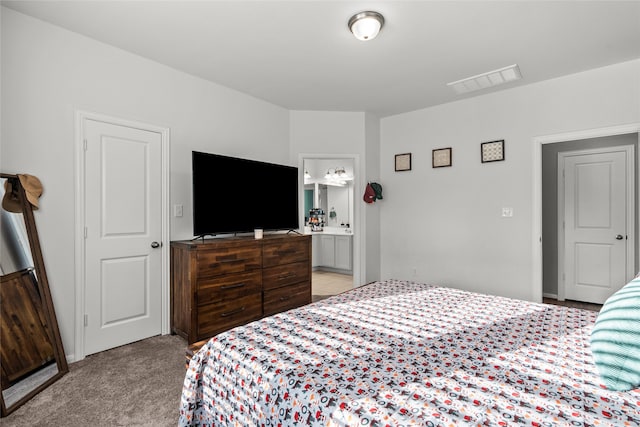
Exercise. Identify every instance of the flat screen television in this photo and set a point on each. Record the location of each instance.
(234, 195)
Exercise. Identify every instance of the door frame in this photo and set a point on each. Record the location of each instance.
(631, 204)
(358, 248)
(80, 118)
(538, 141)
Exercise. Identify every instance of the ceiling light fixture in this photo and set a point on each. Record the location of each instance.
(488, 79)
(366, 25)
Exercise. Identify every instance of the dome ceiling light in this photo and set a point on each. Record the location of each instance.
(366, 25)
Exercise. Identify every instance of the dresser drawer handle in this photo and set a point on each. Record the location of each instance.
(286, 276)
(225, 261)
(284, 298)
(237, 285)
(232, 312)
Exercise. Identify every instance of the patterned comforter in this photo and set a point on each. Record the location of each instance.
(396, 353)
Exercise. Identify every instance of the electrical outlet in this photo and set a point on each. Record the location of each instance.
(177, 210)
(507, 212)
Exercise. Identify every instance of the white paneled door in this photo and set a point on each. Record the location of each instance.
(596, 210)
(123, 219)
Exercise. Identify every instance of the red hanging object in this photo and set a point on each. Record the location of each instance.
(369, 194)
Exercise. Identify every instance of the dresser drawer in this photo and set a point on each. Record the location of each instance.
(228, 288)
(220, 316)
(223, 260)
(217, 284)
(282, 275)
(287, 297)
(286, 251)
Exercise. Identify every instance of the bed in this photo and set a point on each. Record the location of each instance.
(400, 353)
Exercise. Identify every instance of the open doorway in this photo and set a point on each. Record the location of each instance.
(552, 248)
(329, 216)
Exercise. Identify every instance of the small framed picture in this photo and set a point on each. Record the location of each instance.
(441, 157)
(403, 162)
(492, 151)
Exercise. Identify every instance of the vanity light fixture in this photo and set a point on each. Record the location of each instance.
(342, 174)
(338, 176)
(366, 25)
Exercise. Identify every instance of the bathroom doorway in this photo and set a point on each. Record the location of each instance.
(329, 216)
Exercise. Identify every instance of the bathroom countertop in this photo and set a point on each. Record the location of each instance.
(337, 231)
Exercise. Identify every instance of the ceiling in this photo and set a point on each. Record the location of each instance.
(299, 54)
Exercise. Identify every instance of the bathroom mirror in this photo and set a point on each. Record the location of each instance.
(324, 189)
(31, 352)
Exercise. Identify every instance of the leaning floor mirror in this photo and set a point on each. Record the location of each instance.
(31, 353)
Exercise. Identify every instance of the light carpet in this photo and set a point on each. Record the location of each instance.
(134, 385)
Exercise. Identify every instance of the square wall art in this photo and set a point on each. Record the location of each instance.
(492, 151)
(441, 157)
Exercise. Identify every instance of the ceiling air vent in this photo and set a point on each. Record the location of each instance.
(486, 80)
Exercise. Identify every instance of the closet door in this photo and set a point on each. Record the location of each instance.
(123, 205)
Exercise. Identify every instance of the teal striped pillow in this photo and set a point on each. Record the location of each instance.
(615, 339)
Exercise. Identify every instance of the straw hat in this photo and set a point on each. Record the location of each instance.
(32, 189)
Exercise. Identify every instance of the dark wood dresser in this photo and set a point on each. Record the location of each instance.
(218, 284)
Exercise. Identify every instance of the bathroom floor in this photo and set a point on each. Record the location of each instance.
(325, 283)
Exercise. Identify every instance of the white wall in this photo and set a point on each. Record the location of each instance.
(371, 226)
(444, 225)
(328, 134)
(48, 73)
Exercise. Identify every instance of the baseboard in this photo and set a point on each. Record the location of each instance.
(552, 296)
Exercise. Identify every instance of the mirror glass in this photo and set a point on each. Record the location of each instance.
(31, 355)
(328, 185)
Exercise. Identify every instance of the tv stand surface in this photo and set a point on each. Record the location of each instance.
(218, 284)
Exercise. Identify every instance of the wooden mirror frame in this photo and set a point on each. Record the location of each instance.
(48, 314)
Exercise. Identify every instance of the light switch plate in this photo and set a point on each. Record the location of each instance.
(177, 210)
(507, 212)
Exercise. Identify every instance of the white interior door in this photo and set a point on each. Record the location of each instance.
(596, 221)
(123, 219)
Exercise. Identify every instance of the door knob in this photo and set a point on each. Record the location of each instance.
(619, 237)
(155, 245)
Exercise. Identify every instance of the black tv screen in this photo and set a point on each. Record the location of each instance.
(234, 195)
